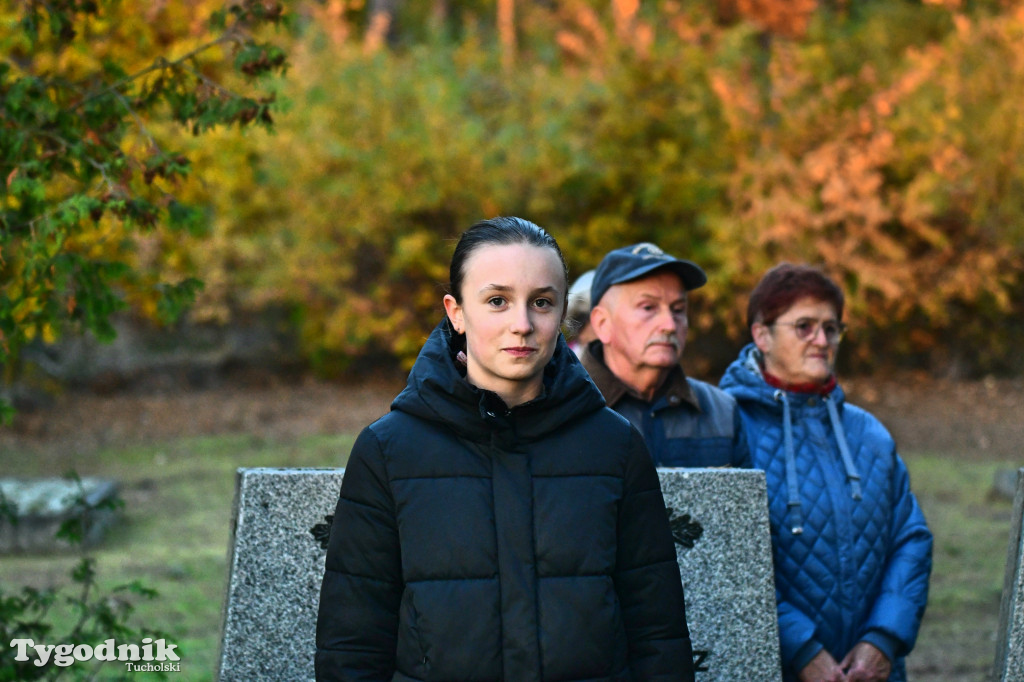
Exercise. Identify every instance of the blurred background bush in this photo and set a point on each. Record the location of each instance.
(881, 139)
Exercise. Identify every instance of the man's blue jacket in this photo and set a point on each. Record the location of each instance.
(689, 423)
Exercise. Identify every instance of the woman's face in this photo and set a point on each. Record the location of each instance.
(795, 360)
(513, 301)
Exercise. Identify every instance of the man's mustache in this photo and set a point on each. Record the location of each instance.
(666, 338)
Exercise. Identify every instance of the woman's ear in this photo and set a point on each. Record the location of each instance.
(762, 336)
(454, 310)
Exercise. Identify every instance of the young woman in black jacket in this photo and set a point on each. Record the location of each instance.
(500, 523)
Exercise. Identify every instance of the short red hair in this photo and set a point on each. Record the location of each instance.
(784, 285)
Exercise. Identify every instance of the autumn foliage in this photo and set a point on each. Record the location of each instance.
(881, 139)
(94, 99)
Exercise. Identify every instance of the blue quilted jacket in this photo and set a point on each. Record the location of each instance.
(852, 549)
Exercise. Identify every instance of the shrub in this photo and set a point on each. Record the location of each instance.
(95, 614)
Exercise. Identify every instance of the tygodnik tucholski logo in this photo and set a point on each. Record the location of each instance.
(150, 656)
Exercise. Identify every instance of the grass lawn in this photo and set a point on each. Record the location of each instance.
(176, 528)
(174, 533)
(972, 532)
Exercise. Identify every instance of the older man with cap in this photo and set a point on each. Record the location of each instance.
(639, 298)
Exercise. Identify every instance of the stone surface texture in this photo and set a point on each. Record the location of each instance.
(276, 566)
(1009, 664)
(275, 569)
(41, 505)
(727, 574)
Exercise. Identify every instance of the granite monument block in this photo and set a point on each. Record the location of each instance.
(727, 571)
(282, 520)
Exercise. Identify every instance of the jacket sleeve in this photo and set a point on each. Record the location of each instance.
(357, 621)
(898, 611)
(797, 644)
(740, 445)
(647, 577)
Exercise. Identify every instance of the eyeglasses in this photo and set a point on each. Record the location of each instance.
(806, 328)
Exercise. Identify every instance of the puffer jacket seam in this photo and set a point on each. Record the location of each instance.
(439, 478)
(388, 481)
(579, 475)
(358, 576)
(468, 579)
(565, 576)
(626, 571)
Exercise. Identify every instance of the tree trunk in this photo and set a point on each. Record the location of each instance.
(507, 32)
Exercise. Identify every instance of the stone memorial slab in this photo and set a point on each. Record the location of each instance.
(276, 565)
(282, 521)
(719, 519)
(40, 505)
(1009, 665)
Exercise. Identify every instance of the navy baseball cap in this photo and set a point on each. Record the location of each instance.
(633, 262)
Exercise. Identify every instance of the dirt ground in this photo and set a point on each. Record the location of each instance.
(977, 419)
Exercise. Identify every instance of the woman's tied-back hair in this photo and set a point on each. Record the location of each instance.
(784, 285)
(502, 231)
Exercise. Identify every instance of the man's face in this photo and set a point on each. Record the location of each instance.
(643, 323)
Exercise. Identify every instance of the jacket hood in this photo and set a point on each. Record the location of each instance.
(437, 391)
(744, 379)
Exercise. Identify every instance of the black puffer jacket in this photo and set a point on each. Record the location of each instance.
(472, 542)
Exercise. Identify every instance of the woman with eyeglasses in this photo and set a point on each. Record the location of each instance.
(851, 547)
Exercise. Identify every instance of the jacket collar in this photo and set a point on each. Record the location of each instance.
(745, 380)
(819, 389)
(675, 389)
(437, 390)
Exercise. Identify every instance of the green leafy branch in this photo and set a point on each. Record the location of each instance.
(83, 171)
(99, 614)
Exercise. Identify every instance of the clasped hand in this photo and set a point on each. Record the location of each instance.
(864, 663)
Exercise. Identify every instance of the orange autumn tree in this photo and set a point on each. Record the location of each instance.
(878, 139)
(899, 196)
